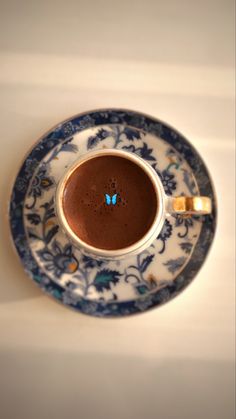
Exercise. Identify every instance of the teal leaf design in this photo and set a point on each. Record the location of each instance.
(142, 289)
(57, 294)
(105, 278)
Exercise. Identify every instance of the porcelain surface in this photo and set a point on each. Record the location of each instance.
(102, 287)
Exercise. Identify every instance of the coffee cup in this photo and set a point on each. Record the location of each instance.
(111, 204)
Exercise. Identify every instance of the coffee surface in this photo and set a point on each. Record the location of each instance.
(97, 218)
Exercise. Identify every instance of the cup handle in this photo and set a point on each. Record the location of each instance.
(192, 205)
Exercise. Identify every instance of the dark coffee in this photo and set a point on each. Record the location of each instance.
(109, 202)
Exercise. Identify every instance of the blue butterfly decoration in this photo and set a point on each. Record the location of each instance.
(111, 199)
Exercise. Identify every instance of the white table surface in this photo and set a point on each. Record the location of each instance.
(173, 60)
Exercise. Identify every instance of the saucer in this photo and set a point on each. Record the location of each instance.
(108, 287)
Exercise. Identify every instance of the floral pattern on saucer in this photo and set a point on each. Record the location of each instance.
(102, 287)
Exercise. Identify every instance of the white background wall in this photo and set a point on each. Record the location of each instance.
(173, 60)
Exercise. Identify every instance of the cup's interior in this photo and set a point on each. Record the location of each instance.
(109, 201)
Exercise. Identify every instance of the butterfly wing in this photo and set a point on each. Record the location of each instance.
(108, 199)
(113, 199)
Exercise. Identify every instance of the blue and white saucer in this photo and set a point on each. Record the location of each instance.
(110, 288)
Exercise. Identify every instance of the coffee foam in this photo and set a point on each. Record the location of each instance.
(111, 187)
(116, 225)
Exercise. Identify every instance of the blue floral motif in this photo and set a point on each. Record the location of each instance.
(167, 178)
(145, 263)
(64, 146)
(20, 243)
(22, 181)
(34, 218)
(143, 304)
(135, 273)
(71, 285)
(68, 130)
(128, 130)
(69, 297)
(188, 180)
(101, 135)
(30, 167)
(21, 184)
(48, 227)
(112, 117)
(31, 263)
(85, 121)
(144, 151)
(183, 220)
(175, 264)
(132, 134)
(165, 234)
(67, 146)
(89, 262)
(168, 182)
(41, 182)
(90, 308)
(59, 260)
(163, 296)
(116, 132)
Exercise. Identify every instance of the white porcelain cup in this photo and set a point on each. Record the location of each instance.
(192, 205)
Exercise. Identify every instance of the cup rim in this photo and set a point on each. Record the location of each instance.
(151, 233)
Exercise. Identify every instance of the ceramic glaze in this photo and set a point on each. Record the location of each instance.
(102, 287)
